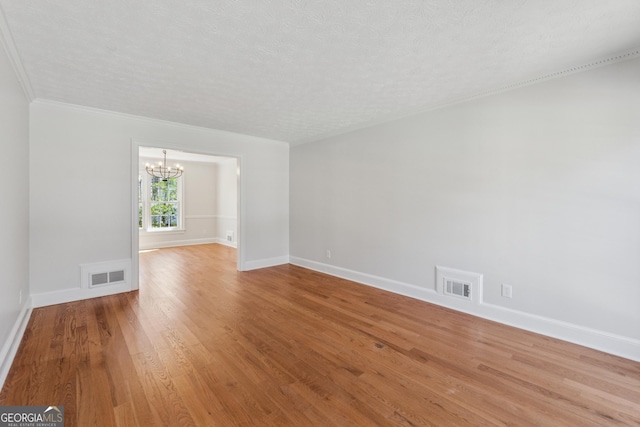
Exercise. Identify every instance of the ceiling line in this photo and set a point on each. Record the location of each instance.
(628, 55)
(14, 57)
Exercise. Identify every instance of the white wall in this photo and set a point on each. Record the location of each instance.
(14, 204)
(210, 201)
(537, 187)
(81, 185)
(227, 201)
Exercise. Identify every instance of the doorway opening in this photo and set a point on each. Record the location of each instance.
(200, 207)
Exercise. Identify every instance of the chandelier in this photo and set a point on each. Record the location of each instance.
(162, 171)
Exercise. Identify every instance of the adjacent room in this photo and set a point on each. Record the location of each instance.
(198, 207)
(374, 213)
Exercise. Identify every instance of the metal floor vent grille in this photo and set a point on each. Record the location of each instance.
(107, 273)
(99, 279)
(458, 289)
(465, 285)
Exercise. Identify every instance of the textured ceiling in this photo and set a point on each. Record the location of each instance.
(298, 70)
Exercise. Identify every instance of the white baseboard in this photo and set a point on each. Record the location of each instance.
(600, 340)
(10, 347)
(76, 294)
(263, 263)
(175, 243)
(225, 242)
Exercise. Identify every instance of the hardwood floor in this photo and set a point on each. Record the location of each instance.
(202, 344)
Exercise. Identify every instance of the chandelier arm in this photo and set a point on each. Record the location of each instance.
(162, 171)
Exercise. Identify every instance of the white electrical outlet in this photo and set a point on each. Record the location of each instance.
(507, 291)
(328, 253)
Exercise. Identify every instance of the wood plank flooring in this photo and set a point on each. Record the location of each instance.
(204, 345)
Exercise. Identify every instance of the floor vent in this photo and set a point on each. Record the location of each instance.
(108, 278)
(105, 273)
(459, 284)
(458, 288)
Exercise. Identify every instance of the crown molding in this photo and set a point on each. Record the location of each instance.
(625, 56)
(14, 57)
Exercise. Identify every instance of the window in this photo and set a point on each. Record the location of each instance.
(159, 203)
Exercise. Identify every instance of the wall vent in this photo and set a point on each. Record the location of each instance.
(461, 284)
(105, 273)
(108, 278)
(458, 288)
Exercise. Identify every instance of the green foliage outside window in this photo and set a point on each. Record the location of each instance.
(164, 206)
(164, 214)
(164, 191)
